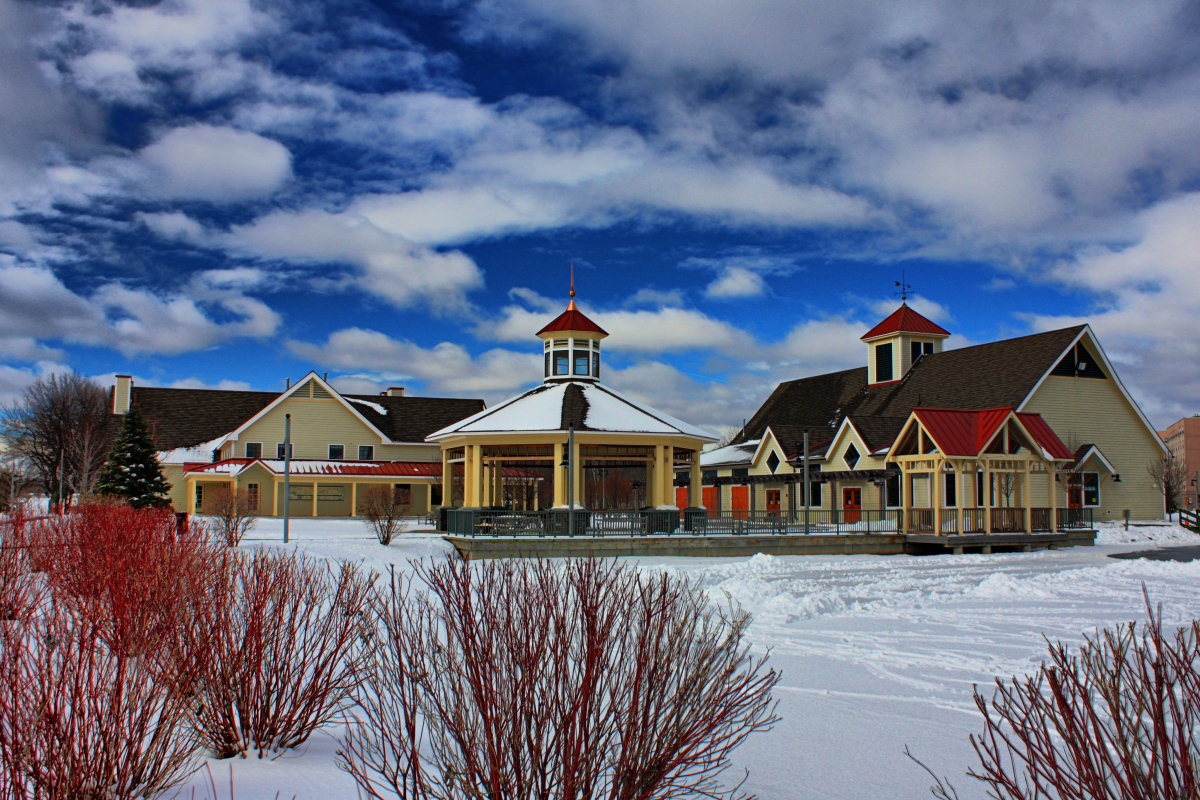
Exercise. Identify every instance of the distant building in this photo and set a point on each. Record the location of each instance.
(1183, 440)
(1013, 396)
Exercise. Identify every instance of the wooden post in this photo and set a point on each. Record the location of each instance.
(316, 491)
(986, 501)
(1052, 493)
(905, 497)
(190, 487)
(560, 476)
(274, 498)
(936, 479)
(668, 477)
(1026, 498)
(958, 497)
(447, 479)
(354, 498)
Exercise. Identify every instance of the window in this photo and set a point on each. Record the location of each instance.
(562, 362)
(815, 490)
(741, 472)
(366, 452)
(708, 475)
(252, 496)
(595, 365)
(336, 452)
(851, 457)
(883, 362)
(950, 496)
(253, 449)
(547, 371)
(581, 362)
(216, 455)
(773, 462)
(199, 496)
(279, 450)
(891, 491)
(921, 348)
(402, 493)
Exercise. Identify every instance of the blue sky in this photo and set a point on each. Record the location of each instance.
(229, 193)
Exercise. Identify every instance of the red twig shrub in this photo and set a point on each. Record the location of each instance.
(528, 679)
(280, 640)
(20, 588)
(1119, 719)
(78, 720)
(129, 568)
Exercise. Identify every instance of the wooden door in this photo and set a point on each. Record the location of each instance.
(681, 496)
(712, 499)
(851, 505)
(739, 501)
(773, 497)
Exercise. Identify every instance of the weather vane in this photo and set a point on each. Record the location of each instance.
(903, 288)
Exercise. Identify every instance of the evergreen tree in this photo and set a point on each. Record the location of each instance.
(132, 471)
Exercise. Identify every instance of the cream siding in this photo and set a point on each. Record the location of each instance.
(316, 424)
(1090, 410)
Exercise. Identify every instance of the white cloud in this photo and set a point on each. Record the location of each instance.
(174, 225)
(736, 282)
(445, 368)
(15, 380)
(390, 266)
(204, 162)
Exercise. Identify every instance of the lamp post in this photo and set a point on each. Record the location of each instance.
(287, 473)
(570, 464)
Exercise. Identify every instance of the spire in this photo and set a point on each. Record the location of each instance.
(571, 305)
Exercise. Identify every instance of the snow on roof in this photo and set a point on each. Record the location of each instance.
(541, 409)
(741, 453)
(368, 404)
(199, 452)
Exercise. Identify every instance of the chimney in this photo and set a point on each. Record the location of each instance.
(394, 391)
(122, 394)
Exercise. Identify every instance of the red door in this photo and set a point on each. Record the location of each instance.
(681, 494)
(739, 501)
(851, 505)
(712, 499)
(773, 501)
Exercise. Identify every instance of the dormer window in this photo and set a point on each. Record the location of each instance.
(851, 457)
(576, 355)
(921, 349)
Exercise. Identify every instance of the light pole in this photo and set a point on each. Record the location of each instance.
(287, 473)
(571, 479)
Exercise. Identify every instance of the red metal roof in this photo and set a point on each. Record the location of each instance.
(572, 320)
(1040, 430)
(959, 432)
(378, 469)
(906, 320)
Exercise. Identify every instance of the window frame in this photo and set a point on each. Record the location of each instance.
(279, 450)
(887, 492)
(949, 487)
(253, 444)
(341, 456)
(370, 452)
(883, 357)
(252, 496)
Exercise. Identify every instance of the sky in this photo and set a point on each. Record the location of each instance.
(231, 193)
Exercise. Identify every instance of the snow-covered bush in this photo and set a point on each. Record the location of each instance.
(276, 651)
(524, 679)
(1118, 720)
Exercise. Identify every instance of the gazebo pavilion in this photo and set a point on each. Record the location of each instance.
(567, 424)
(978, 471)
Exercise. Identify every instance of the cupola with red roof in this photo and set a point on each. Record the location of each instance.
(572, 345)
(896, 343)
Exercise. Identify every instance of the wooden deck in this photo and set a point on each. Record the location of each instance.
(781, 545)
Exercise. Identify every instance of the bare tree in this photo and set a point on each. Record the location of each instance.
(382, 507)
(234, 513)
(60, 427)
(522, 679)
(1170, 477)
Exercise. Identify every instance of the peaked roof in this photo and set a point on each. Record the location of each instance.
(557, 406)
(959, 432)
(988, 375)
(572, 320)
(1045, 435)
(904, 319)
(182, 418)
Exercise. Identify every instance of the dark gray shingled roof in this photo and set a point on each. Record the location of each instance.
(188, 417)
(982, 376)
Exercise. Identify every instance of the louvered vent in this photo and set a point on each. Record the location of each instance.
(319, 392)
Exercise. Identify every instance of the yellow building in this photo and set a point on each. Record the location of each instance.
(569, 423)
(852, 419)
(341, 444)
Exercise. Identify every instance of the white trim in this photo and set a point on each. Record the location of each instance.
(295, 388)
(1094, 451)
(1113, 376)
(762, 443)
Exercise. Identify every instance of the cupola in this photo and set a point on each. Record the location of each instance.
(572, 345)
(895, 344)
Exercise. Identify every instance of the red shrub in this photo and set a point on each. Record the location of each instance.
(78, 720)
(20, 587)
(527, 679)
(281, 657)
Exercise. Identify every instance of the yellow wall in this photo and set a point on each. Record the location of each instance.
(1088, 410)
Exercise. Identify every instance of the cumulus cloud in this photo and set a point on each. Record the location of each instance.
(390, 266)
(736, 282)
(444, 368)
(203, 162)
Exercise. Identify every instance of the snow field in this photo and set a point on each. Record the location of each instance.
(876, 652)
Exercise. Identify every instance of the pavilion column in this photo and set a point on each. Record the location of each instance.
(560, 476)
(274, 498)
(905, 497)
(472, 473)
(668, 475)
(936, 478)
(497, 482)
(577, 469)
(1052, 492)
(354, 498)
(447, 479)
(189, 485)
(695, 482)
(986, 500)
(429, 497)
(958, 496)
(316, 491)
(1027, 499)
(651, 480)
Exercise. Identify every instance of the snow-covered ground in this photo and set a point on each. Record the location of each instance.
(876, 652)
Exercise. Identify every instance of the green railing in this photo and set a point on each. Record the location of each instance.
(664, 522)
(1190, 519)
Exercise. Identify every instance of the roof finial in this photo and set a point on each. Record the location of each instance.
(571, 305)
(903, 288)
